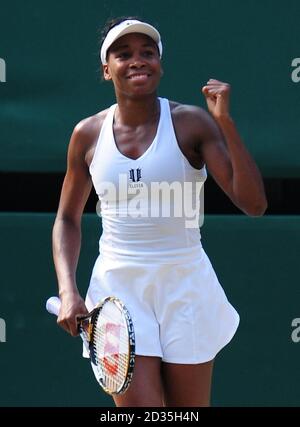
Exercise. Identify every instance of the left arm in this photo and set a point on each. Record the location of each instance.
(230, 163)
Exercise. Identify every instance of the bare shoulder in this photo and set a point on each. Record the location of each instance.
(85, 135)
(88, 129)
(192, 121)
(190, 116)
(186, 111)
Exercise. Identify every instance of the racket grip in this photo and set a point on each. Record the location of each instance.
(53, 305)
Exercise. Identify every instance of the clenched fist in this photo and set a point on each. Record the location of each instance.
(217, 96)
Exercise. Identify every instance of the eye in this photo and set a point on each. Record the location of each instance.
(149, 53)
(123, 55)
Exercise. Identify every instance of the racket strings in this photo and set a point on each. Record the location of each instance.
(110, 346)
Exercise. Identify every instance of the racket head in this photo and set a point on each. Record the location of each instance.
(112, 345)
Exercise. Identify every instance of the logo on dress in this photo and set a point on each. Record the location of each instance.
(135, 174)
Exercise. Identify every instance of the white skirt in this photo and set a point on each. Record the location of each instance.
(180, 311)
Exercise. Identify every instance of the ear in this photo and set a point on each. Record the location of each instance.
(161, 72)
(106, 73)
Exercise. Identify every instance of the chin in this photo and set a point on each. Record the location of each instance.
(141, 91)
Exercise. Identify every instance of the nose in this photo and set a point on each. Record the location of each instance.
(137, 62)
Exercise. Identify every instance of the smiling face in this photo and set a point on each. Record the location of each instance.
(133, 64)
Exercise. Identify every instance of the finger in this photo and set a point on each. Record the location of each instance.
(73, 328)
(215, 81)
(216, 91)
(206, 89)
(221, 88)
(215, 84)
(69, 326)
(213, 92)
(64, 325)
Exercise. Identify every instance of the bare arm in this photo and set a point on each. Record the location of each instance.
(66, 235)
(229, 162)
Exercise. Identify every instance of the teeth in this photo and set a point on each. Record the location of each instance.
(138, 76)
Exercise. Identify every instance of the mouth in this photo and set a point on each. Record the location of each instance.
(139, 76)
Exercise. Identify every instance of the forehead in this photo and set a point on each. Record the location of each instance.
(132, 39)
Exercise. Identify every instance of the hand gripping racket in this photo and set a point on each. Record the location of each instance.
(108, 336)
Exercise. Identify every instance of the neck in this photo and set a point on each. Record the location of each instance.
(137, 111)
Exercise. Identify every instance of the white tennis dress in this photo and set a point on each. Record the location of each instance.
(151, 255)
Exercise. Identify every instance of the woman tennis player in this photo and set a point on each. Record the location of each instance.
(152, 258)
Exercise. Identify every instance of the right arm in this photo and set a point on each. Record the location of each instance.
(66, 236)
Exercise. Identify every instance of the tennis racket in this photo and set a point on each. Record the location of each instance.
(108, 336)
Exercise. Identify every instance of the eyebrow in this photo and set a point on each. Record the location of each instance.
(126, 46)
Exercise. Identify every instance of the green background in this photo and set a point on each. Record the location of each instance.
(53, 79)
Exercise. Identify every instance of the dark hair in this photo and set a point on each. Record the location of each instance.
(110, 24)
